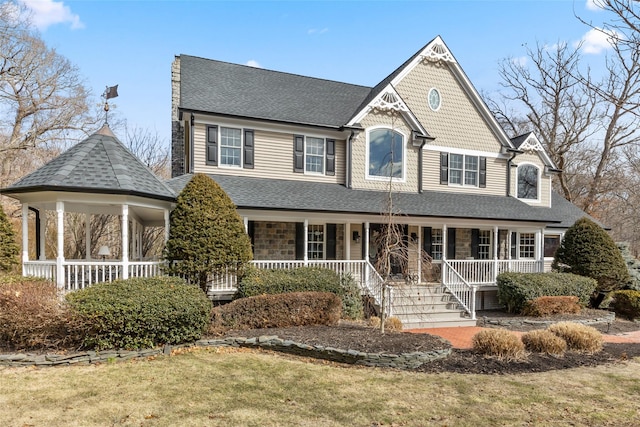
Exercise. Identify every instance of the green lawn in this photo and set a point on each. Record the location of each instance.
(247, 388)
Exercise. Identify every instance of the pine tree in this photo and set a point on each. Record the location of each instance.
(206, 234)
(9, 250)
(588, 250)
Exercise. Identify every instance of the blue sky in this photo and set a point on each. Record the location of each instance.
(132, 43)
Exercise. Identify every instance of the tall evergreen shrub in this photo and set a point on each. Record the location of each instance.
(588, 250)
(206, 233)
(9, 250)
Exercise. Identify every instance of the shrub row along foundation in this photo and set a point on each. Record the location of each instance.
(398, 361)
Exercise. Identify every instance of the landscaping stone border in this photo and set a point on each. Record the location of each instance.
(511, 321)
(398, 361)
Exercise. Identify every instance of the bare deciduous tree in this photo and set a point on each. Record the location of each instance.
(42, 98)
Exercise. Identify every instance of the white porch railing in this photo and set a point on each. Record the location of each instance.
(362, 271)
(485, 272)
(80, 274)
(459, 287)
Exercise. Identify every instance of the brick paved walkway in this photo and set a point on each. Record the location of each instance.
(461, 337)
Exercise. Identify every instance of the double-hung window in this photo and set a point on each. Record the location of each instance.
(436, 243)
(484, 244)
(527, 245)
(463, 169)
(528, 182)
(314, 155)
(231, 147)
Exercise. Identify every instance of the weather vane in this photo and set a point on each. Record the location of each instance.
(109, 92)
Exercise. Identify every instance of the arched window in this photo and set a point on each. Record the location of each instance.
(528, 182)
(385, 154)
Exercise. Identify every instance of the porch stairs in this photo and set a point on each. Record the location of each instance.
(428, 305)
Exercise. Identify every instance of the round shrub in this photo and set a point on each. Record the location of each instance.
(500, 343)
(139, 313)
(578, 337)
(390, 323)
(32, 317)
(588, 250)
(543, 341)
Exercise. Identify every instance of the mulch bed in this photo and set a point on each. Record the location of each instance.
(358, 337)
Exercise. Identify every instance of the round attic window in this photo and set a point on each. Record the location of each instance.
(434, 99)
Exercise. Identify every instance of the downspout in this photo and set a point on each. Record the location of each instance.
(348, 171)
(424, 141)
(514, 153)
(191, 156)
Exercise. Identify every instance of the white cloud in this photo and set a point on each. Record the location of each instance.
(596, 41)
(316, 31)
(520, 61)
(594, 5)
(45, 13)
(253, 63)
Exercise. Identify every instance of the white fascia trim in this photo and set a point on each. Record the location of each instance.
(435, 51)
(403, 109)
(532, 143)
(489, 154)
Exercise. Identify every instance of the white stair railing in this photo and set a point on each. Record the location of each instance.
(461, 290)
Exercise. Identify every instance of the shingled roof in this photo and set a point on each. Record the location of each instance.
(261, 193)
(98, 164)
(219, 87)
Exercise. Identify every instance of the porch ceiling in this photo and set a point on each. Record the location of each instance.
(271, 194)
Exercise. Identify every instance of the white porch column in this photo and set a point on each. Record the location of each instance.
(125, 241)
(134, 239)
(60, 279)
(540, 249)
(87, 235)
(365, 241)
(496, 242)
(509, 243)
(25, 236)
(306, 242)
(443, 267)
(166, 225)
(245, 221)
(419, 249)
(347, 241)
(43, 233)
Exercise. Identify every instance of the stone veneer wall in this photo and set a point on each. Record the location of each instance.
(274, 241)
(463, 243)
(177, 131)
(277, 241)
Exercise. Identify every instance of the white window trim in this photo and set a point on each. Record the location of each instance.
(404, 156)
(324, 240)
(464, 164)
(220, 164)
(558, 234)
(536, 245)
(538, 198)
(324, 157)
(429, 99)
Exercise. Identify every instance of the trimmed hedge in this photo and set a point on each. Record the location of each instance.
(515, 289)
(626, 303)
(278, 311)
(140, 312)
(304, 279)
(546, 306)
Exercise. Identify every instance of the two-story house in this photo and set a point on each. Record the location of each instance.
(310, 164)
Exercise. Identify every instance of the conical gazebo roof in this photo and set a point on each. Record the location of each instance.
(98, 164)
